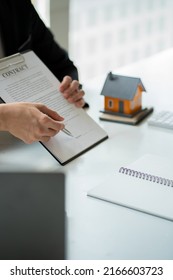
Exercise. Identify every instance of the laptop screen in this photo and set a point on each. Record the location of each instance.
(32, 216)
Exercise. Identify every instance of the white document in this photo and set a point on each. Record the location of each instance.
(146, 186)
(25, 78)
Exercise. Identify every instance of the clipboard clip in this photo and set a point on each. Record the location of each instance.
(11, 57)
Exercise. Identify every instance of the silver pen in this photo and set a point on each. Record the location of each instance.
(66, 131)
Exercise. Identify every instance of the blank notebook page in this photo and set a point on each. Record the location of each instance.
(151, 197)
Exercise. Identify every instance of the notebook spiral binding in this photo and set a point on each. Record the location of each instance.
(145, 176)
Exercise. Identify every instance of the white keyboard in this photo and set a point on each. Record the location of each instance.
(162, 119)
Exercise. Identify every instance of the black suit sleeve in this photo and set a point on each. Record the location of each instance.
(30, 32)
(44, 45)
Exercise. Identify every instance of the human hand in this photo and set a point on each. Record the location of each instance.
(72, 92)
(31, 122)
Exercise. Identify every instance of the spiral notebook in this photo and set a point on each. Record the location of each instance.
(145, 185)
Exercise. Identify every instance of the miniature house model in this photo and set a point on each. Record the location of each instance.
(122, 94)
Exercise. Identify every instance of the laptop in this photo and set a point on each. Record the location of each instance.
(32, 216)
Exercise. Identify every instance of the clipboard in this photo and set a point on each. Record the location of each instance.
(25, 78)
(7, 60)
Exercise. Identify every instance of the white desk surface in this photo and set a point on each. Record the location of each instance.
(97, 229)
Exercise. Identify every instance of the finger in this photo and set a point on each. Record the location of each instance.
(45, 122)
(72, 89)
(80, 103)
(44, 139)
(53, 132)
(76, 96)
(54, 125)
(50, 133)
(44, 132)
(54, 115)
(65, 83)
(75, 85)
(49, 112)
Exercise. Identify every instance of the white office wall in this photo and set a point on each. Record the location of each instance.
(59, 21)
(106, 34)
(43, 8)
(102, 35)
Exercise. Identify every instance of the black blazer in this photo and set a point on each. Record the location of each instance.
(22, 29)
